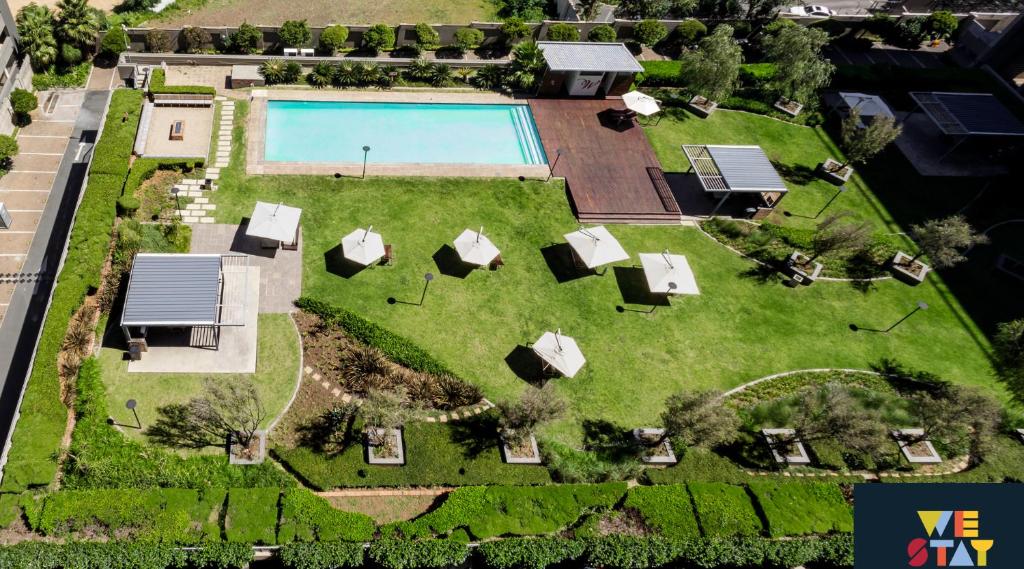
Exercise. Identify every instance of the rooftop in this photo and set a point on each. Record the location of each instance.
(589, 56)
(733, 169)
(173, 290)
(968, 113)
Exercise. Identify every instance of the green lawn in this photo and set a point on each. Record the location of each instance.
(325, 12)
(277, 367)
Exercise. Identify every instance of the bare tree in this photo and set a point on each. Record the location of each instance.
(959, 417)
(534, 407)
(700, 419)
(383, 411)
(834, 234)
(861, 143)
(229, 408)
(945, 240)
(832, 412)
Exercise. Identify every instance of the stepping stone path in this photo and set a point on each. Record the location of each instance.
(200, 209)
(480, 407)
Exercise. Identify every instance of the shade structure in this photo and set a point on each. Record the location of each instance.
(668, 274)
(645, 105)
(475, 248)
(560, 352)
(595, 246)
(363, 246)
(274, 221)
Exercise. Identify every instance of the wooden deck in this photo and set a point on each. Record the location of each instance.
(606, 168)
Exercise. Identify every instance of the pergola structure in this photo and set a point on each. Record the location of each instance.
(727, 170)
(962, 116)
(178, 291)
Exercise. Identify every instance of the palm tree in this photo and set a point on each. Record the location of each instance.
(35, 26)
(77, 22)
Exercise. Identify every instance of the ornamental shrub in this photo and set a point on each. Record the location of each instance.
(649, 32)
(942, 24)
(158, 85)
(70, 54)
(513, 30)
(22, 103)
(114, 42)
(427, 37)
(563, 32)
(128, 205)
(802, 508)
(248, 39)
(530, 553)
(690, 31)
(432, 554)
(467, 39)
(321, 75)
(197, 40)
(724, 510)
(252, 515)
(158, 41)
(667, 509)
(379, 37)
(320, 555)
(294, 33)
(333, 38)
(602, 33)
(308, 517)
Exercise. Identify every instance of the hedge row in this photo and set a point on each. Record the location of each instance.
(158, 86)
(668, 73)
(36, 441)
(122, 555)
(307, 517)
(397, 348)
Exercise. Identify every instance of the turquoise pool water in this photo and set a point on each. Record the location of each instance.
(432, 133)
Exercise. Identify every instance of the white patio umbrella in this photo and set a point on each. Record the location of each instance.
(274, 221)
(645, 105)
(668, 274)
(363, 246)
(474, 248)
(560, 352)
(595, 246)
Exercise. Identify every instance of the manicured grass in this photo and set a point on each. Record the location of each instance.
(724, 510)
(252, 515)
(667, 509)
(324, 12)
(799, 509)
(277, 368)
(308, 517)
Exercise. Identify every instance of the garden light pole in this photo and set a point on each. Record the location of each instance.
(921, 305)
(177, 202)
(558, 154)
(829, 202)
(131, 404)
(426, 283)
(671, 287)
(366, 152)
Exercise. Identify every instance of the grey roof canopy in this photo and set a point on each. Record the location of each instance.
(173, 290)
(733, 169)
(978, 114)
(589, 56)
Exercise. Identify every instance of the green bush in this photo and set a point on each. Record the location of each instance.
(62, 77)
(602, 33)
(467, 39)
(128, 204)
(380, 37)
(661, 74)
(320, 555)
(294, 33)
(803, 508)
(627, 552)
(690, 31)
(70, 55)
(158, 41)
(247, 39)
(10, 509)
(427, 37)
(122, 555)
(942, 24)
(23, 102)
(433, 554)
(8, 150)
(563, 32)
(724, 510)
(755, 74)
(649, 32)
(530, 553)
(252, 515)
(667, 509)
(308, 517)
(114, 42)
(158, 86)
(513, 30)
(196, 39)
(333, 38)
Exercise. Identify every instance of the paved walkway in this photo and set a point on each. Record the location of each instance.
(381, 492)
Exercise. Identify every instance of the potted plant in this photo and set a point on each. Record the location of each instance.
(692, 419)
(520, 418)
(384, 413)
(711, 72)
(860, 142)
(832, 235)
(943, 241)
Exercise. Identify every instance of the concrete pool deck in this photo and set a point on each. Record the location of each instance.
(257, 124)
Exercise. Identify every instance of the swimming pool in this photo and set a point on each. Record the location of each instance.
(401, 133)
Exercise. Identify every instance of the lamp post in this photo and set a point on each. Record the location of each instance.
(829, 202)
(426, 283)
(921, 305)
(671, 287)
(366, 152)
(558, 154)
(177, 202)
(131, 404)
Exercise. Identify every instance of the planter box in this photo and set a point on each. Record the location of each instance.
(791, 108)
(799, 454)
(922, 452)
(398, 446)
(799, 273)
(1020, 433)
(827, 171)
(506, 453)
(660, 454)
(260, 451)
(702, 107)
(912, 275)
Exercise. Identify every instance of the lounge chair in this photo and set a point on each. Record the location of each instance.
(389, 255)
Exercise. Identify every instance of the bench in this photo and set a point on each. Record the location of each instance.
(182, 100)
(389, 255)
(177, 130)
(668, 201)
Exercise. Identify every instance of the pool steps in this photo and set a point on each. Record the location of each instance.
(523, 122)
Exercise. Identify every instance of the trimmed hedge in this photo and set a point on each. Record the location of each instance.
(122, 555)
(321, 555)
(801, 509)
(530, 553)
(158, 86)
(252, 515)
(667, 509)
(433, 554)
(668, 73)
(36, 440)
(724, 510)
(308, 517)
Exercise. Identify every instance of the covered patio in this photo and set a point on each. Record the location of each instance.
(745, 171)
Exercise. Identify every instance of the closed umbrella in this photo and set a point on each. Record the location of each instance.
(474, 248)
(560, 352)
(645, 105)
(668, 274)
(363, 246)
(595, 246)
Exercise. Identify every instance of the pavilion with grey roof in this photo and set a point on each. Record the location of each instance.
(587, 69)
(176, 291)
(726, 170)
(968, 114)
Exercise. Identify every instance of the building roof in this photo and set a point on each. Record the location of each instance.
(173, 290)
(589, 56)
(734, 169)
(867, 105)
(978, 114)
(246, 72)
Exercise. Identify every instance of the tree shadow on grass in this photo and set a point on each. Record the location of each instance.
(336, 263)
(476, 434)
(526, 365)
(764, 273)
(610, 442)
(795, 173)
(862, 266)
(559, 258)
(449, 264)
(633, 286)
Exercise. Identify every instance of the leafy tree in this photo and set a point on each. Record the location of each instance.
(197, 40)
(321, 75)
(1008, 356)
(602, 33)
(942, 24)
(834, 234)
(385, 410)
(295, 33)
(521, 417)
(958, 417)
(762, 10)
(642, 9)
(22, 103)
(333, 38)
(114, 42)
(513, 30)
(8, 150)
(158, 41)
(861, 143)
(379, 37)
(229, 407)
(713, 70)
(945, 240)
(682, 8)
(587, 9)
(77, 22)
(699, 419)
(563, 32)
(528, 10)
(467, 39)
(35, 27)
(248, 39)
(650, 32)
(127, 6)
(832, 412)
(802, 69)
(527, 62)
(427, 37)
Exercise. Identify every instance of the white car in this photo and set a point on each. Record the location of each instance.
(812, 11)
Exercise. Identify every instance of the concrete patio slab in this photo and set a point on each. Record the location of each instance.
(52, 128)
(11, 263)
(36, 162)
(46, 144)
(198, 127)
(26, 180)
(23, 200)
(15, 243)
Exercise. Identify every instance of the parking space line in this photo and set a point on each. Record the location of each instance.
(25, 210)
(37, 121)
(16, 232)
(20, 135)
(31, 172)
(40, 154)
(20, 190)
